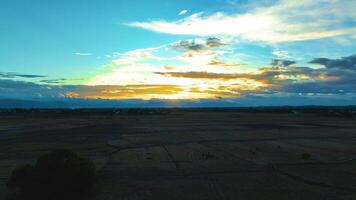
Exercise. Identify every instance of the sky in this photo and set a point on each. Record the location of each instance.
(263, 52)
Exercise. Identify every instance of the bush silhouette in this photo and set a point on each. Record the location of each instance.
(58, 175)
(306, 156)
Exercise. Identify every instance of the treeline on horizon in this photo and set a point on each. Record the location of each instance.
(339, 111)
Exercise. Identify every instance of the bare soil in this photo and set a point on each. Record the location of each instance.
(184, 154)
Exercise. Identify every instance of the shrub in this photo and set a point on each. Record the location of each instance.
(306, 156)
(58, 175)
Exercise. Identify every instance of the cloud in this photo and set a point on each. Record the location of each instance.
(198, 44)
(280, 53)
(221, 64)
(282, 63)
(70, 95)
(345, 85)
(203, 69)
(189, 45)
(134, 56)
(18, 75)
(168, 67)
(132, 91)
(59, 80)
(283, 80)
(284, 21)
(213, 42)
(269, 76)
(338, 77)
(199, 52)
(54, 81)
(205, 75)
(183, 12)
(26, 90)
(83, 54)
(343, 63)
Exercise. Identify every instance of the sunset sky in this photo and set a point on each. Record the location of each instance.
(222, 50)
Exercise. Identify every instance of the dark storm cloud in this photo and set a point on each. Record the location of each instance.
(342, 63)
(17, 75)
(282, 63)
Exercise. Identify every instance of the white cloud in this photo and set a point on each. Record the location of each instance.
(280, 53)
(285, 21)
(134, 56)
(83, 54)
(183, 12)
(140, 66)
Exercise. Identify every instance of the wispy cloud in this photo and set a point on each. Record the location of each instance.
(280, 54)
(216, 62)
(183, 12)
(61, 81)
(19, 75)
(283, 22)
(83, 54)
(134, 56)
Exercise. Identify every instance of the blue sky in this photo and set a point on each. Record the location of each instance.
(42, 36)
(177, 50)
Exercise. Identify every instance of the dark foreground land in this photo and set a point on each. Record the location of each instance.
(208, 154)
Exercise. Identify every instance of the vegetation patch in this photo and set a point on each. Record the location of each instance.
(58, 175)
(306, 156)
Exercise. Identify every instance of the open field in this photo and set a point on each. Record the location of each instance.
(214, 154)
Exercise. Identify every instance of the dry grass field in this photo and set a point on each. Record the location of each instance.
(194, 154)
